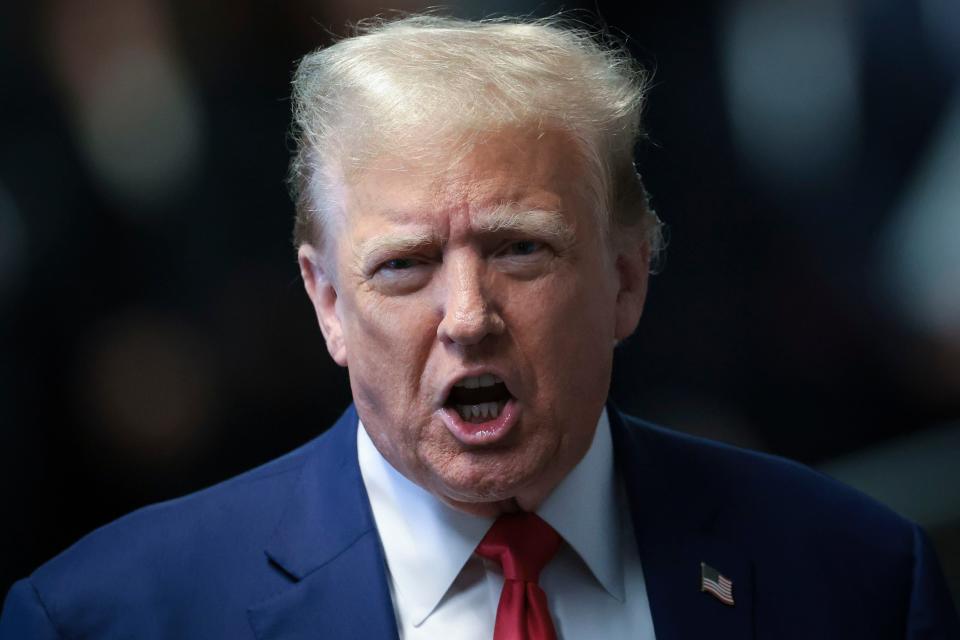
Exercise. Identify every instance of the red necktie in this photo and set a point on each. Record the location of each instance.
(523, 544)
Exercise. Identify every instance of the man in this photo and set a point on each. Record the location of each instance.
(475, 241)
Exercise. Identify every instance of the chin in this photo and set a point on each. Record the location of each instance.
(488, 481)
(483, 509)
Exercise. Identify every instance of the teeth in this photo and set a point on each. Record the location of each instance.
(475, 382)
(480, 412)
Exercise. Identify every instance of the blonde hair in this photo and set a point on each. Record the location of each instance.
(423, 83)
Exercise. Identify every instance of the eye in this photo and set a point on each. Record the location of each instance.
(401, 275)
(399, 264)
(523, 248)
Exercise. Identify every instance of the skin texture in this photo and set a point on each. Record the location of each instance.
(498, 262)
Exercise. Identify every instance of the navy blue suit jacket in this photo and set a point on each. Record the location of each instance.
(289, 551)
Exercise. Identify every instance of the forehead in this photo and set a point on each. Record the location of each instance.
(532, 169)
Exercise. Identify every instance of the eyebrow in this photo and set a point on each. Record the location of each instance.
(542, 224)
(395, 243)
(509, 218)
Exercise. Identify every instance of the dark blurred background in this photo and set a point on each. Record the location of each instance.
(154, 336)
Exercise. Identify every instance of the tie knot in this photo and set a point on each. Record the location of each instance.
(522, 543)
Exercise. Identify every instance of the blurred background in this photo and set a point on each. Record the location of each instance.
(155, 339)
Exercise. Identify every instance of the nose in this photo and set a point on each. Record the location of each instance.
(468, 313)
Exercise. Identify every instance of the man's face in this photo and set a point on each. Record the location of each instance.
(476, 304)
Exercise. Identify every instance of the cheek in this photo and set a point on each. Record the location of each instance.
(565, 335)
(571, 309)
(386, 344)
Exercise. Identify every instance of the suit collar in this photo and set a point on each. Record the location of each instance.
(327, 544)
(677, 515)
(305, 538)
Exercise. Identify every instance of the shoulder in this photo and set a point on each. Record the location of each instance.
(812, 544)
(201, 552)
(761, 497)
(240, 504)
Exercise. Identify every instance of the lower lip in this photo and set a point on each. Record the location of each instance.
(481, 433)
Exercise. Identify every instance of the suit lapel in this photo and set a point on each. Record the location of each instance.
(326, 542)
(676, 523)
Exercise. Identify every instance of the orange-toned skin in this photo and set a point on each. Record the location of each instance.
(417, 293)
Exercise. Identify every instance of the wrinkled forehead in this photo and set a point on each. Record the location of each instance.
(540, 169)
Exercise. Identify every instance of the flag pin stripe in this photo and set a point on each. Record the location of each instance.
(716, 584)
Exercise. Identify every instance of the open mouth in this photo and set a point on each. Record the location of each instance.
(479, 399)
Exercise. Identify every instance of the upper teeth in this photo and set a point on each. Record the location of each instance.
(474, 382)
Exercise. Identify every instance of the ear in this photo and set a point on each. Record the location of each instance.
(323, 294)
(633, 271)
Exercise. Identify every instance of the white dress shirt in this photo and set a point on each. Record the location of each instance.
(441, 589)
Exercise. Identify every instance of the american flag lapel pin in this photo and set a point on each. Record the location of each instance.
(715, 583)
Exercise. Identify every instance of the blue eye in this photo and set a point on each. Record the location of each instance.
(524, 247)
(399, 264)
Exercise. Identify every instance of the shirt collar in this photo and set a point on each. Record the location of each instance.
(583, 509)
(426, 543)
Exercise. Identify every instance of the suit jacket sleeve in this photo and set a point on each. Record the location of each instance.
(25, 616)
(932, 613)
